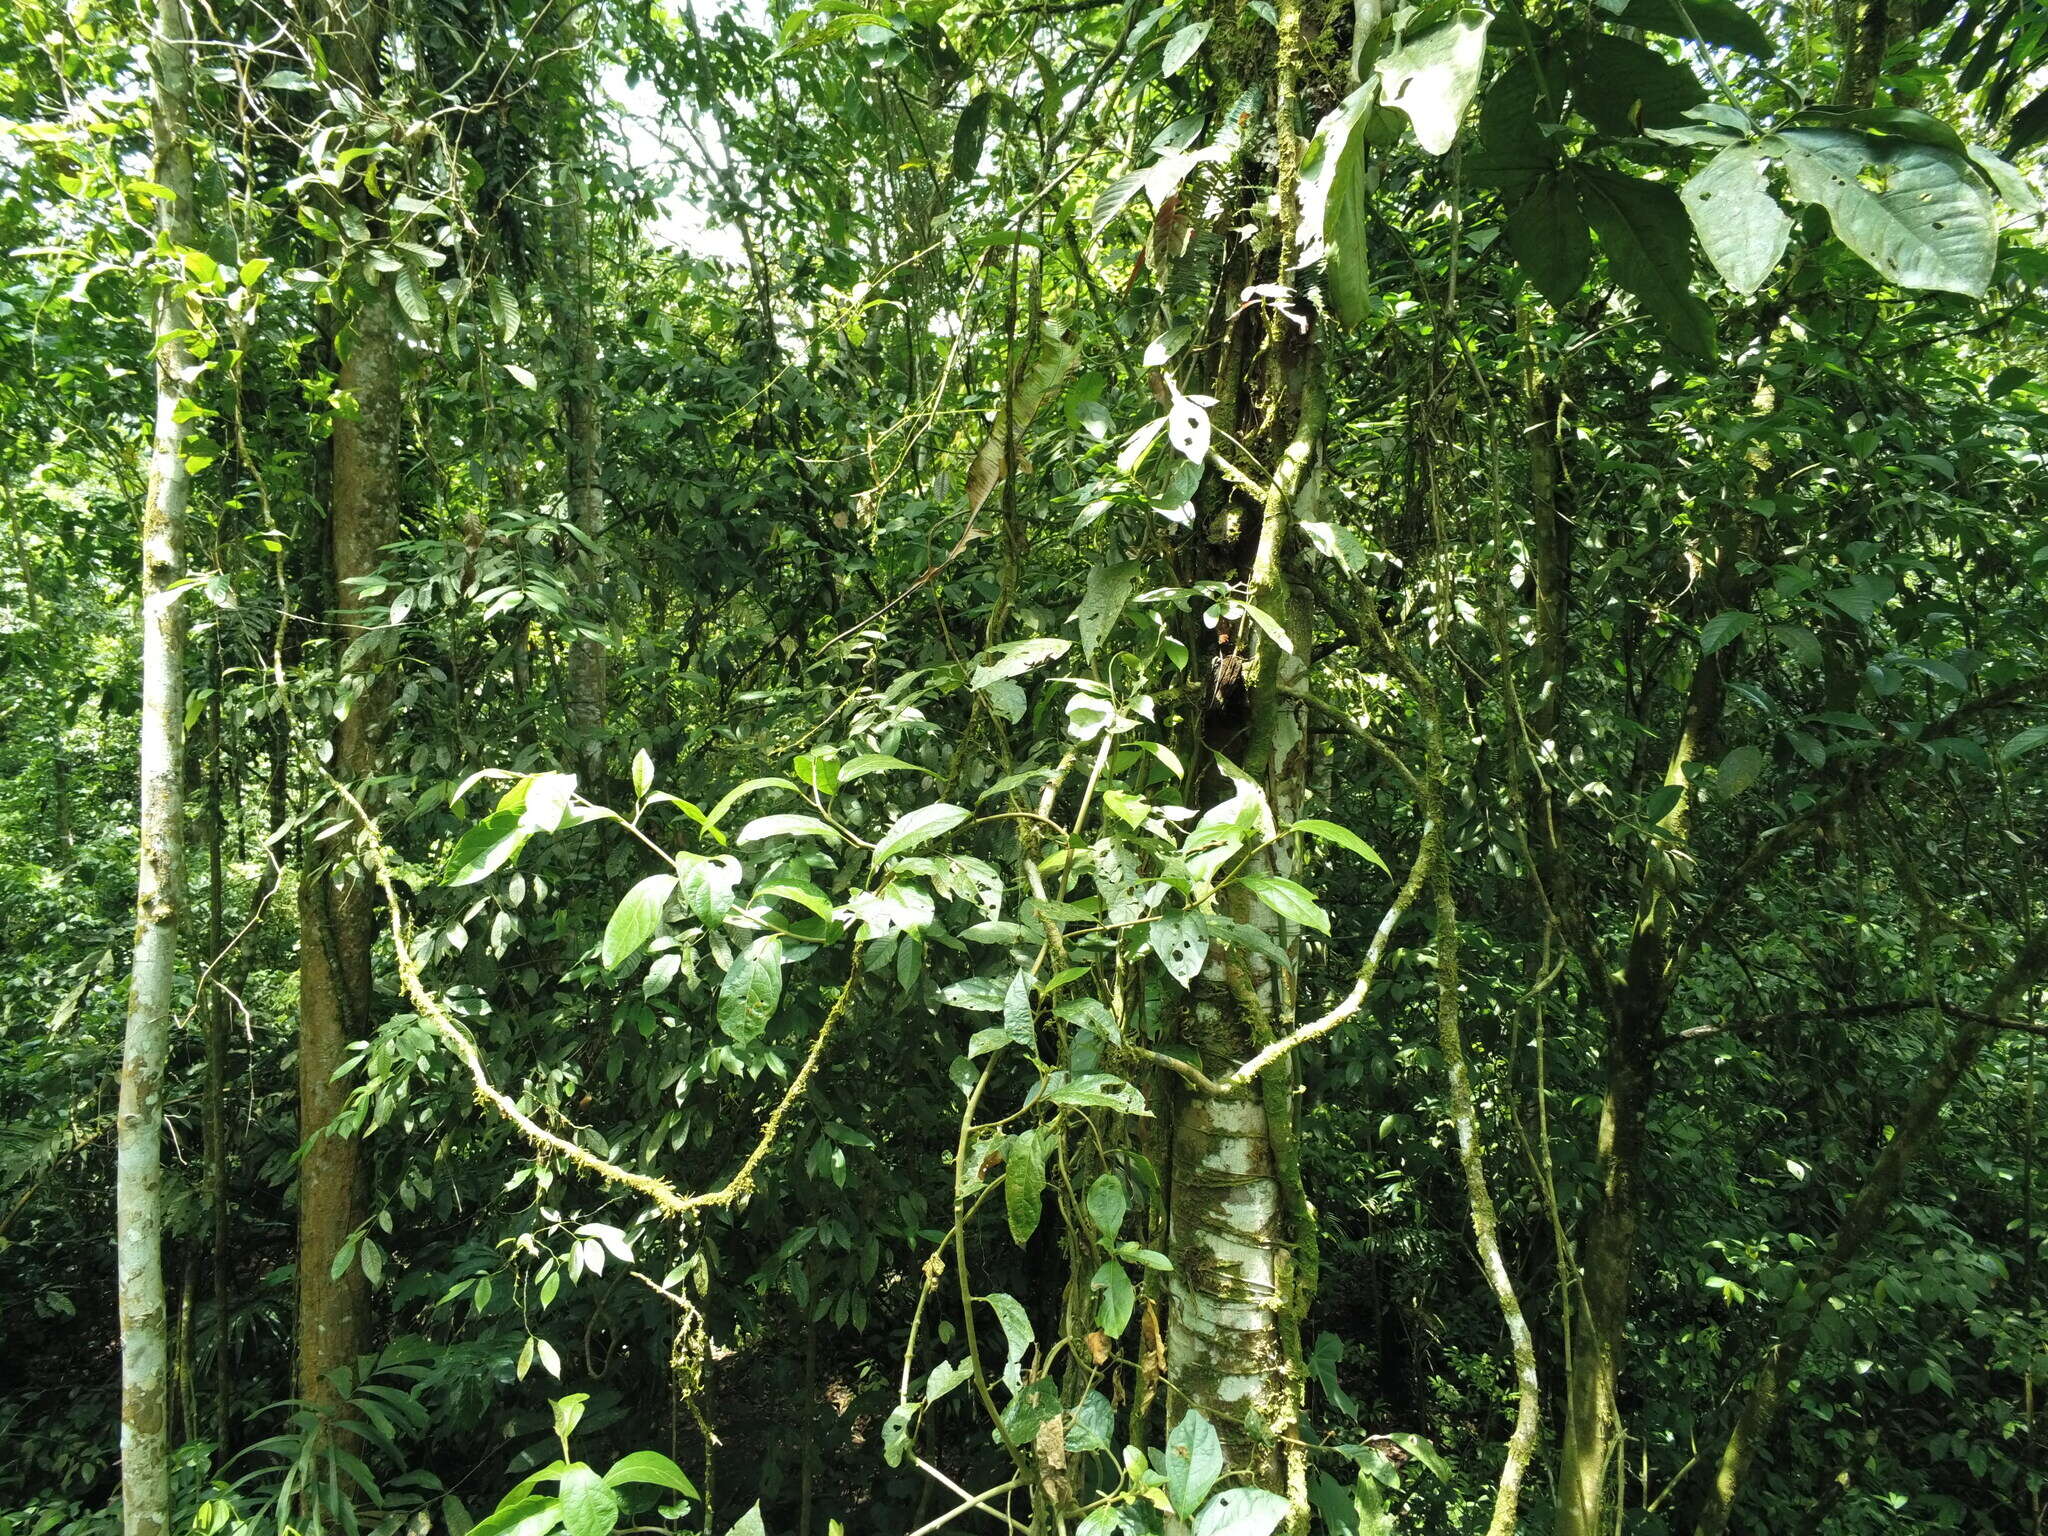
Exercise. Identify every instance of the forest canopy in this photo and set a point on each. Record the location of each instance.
(1089, 767)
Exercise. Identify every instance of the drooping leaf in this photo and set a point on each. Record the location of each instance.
(1343, 837)
(1332, 201)
(1194, 1460)
(1548, 234)
(1181, 47)
(1433, 76)
(1741, 227)
(1017, 1334)
(763, 827)
(1024, 1185)
(1647, 240)
(1722, 628)
(485, 848)
(1015, 659)
(752, 988)
(969, 134)
(1181, 942)
(1107, 1204)
(1119, 1297)
(652, 1468)
(1103, 600)
(1720, 22)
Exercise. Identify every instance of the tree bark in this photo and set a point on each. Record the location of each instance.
(159, 893)
(337, 913)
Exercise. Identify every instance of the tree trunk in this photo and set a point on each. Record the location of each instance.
(138, 1223)
(1243, 1240)
(215, 1006)
(581, 432)
(337, 916)
(1916, 1130)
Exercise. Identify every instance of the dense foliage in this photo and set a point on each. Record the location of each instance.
(1091, 767)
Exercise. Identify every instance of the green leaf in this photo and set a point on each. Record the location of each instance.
(1332, 202)
(875, 762)
(1103, 600)
(1017, 1334)
(1241, 1512)
(1107, 1204)
(749, 1524)
(1722, 628)
(1719, 22)
(1024, 1185)
(763, 827)
(1741, 227)
(652, 1468)
(1194, 1460)
(1181, 943)
(1290, 900)
(411, 298)
(635, 919)
(589, 1507)
(1119, 1297)
(1425, 1453)
(1621, 87)
(1646, 238)
(920, 826)
(531, 1515)
(707, 887)
(1548, 234)
(1096, 1090)
(1433, 76)
(1914, 211)
(485, 848)
(1737, 771)
(1015, 659)
(752, 987)
(969, 134)
(1017, 1012)
(1343, 837)
(2032, 737)
(643, 773)
(1181, 47)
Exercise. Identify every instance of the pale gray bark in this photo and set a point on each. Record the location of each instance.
(138, 1220)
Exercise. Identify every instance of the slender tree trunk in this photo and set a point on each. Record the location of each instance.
(215, 1125)
(581, 430)
(1916, 1131)
(138, 1222)
(337, 914)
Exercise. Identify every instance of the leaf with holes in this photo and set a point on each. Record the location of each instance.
(1433, 76)
(1181, 942)
(1915, 212)
(1741, 227)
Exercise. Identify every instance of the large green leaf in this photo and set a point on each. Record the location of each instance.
(589, 1507)
(1433, 76)
(1647, 240)
(918, 827)
(636, 918)
(1915, 212)
(1024, 1185)
(1194, 1460)
(653, 1468)
(1622, 87)
(1548, 234)
(751, 989)
(1719, 22)
(1333, 207)
(1241, 1512)
(486, 847)
(1181, 941)
(1741, 227)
